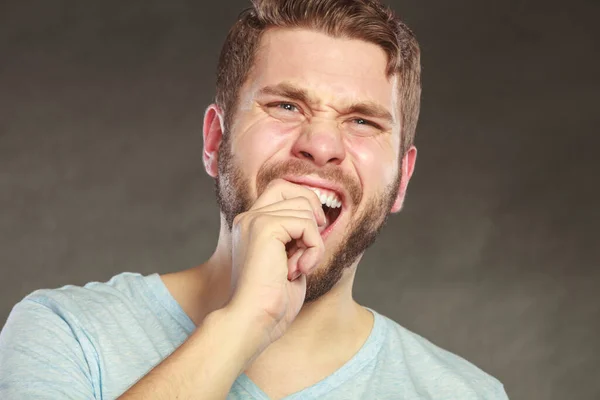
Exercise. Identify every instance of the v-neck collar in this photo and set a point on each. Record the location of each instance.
(367, 352)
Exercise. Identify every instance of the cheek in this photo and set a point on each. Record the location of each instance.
(374, 159)
(258, 142)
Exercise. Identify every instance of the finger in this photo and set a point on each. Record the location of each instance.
(310, 259)
(297, 203)
(304, 214)
(288, 212)
(302, 229)
(293, 270)
(302, 260)
(280, 189)
(298, 285)
(292, 247)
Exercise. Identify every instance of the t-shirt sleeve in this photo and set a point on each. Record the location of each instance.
(40, 356)
(501, 394)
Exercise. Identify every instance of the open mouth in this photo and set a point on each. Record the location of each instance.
(331, 214)
(332, 206)
(331, 196)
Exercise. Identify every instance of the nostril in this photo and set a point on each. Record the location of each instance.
(307, 155)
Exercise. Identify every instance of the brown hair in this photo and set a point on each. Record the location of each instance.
(366, 20)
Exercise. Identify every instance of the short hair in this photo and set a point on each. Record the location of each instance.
(366, 20)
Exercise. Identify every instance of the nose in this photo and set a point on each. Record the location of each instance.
(321, 143)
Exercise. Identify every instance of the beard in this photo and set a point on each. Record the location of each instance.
(234, 197)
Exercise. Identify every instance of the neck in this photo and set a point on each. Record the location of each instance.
(334, 320)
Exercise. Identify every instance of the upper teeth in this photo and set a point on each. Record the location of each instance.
(327, 198)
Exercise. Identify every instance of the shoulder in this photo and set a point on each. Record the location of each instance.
(52, 338)
(71, 302)
(434, 370)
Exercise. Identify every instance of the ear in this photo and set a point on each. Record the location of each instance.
(407, 167)
(213, 134)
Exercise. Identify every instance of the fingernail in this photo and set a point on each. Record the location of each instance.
(296, 275)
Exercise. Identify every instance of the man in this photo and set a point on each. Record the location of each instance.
(310, 143)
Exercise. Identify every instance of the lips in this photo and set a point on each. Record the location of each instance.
(326, 188)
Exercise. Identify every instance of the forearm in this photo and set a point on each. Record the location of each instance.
(205, 365)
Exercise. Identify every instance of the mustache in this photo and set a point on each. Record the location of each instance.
(267, 173)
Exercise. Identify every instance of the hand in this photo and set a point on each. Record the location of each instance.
(269, 282)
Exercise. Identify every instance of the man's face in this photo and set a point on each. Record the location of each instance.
(321, 112)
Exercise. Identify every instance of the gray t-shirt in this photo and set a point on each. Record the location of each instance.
(96, 341)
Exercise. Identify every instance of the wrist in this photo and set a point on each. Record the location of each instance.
(244, 335)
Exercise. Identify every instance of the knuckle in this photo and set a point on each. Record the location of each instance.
(276, 183)
(307, 203)
(263, 224)
(239, 223)
(309, 214)
(259, 222)
(238, 220)
(246, 220)
(311, 225)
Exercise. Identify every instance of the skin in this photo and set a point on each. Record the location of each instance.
(274, 134)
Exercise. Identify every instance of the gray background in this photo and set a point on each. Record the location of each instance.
(495, 256)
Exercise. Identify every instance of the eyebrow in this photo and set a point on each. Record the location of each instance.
(372, 110)
(287, 90)
(292, 92)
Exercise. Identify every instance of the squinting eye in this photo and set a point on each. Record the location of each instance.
(361, 121)
(287, 106)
